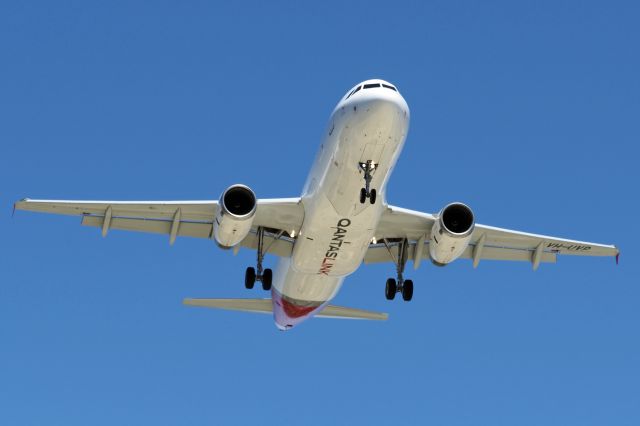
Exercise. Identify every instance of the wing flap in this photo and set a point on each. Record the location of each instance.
(278, 247)
(503, 253)
(203, 211)
(186, 229)
(380, 254)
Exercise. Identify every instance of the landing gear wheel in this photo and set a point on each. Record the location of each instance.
(266, 279)
(390, 289)
(407, 290)
(372, 196)
(249, 278)
(363, 195)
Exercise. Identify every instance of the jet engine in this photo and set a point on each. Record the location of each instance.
(236, 209)
(451, 233)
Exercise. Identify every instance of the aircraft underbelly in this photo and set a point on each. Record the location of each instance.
(332, 244)
(337, 228)
(300, 286)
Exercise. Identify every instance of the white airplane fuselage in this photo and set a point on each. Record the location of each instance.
(369, 125)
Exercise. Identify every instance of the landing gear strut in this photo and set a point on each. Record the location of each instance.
(368, 168)
(401, 285)
(265, 276)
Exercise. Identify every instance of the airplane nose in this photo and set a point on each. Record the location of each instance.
(378, 106)
(379, 118)
(382, 108)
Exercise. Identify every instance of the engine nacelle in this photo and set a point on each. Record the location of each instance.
(451, 233)
(236, 209)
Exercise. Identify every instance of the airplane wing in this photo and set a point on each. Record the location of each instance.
(279, 216)
(487, 242)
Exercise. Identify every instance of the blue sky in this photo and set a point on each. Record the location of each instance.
(527, 111)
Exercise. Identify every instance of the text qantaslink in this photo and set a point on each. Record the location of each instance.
(334, 246)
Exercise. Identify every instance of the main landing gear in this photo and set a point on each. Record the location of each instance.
(264, 276)
(401, 285)
(368, 168)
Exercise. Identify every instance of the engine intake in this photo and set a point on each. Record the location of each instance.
(451, 233)
(232, 224)
(457, 219)
(239, 201)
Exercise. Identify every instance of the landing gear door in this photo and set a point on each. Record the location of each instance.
(372, 152)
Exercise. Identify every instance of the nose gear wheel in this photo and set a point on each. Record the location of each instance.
(368, 168)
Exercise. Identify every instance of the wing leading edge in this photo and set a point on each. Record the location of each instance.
(176, 218)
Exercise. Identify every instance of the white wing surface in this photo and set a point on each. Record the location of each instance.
(177, 218)
(487, 242)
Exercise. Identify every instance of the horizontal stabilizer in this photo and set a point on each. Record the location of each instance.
(264, 306)
(261, 306)
(332, 311)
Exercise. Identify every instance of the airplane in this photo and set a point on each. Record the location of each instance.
(341, 220)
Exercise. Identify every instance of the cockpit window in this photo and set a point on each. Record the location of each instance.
(370, 86)
(352, 92)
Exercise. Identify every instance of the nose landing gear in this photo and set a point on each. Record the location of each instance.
(265, 276)
(401, 285)
(368, 168)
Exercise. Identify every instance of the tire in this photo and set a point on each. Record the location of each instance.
(267, 277)
(363, 195)
(249, 278)
(372, 196)
(407, 290)
(390, 289)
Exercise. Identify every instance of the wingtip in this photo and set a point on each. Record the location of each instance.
(16, 207)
